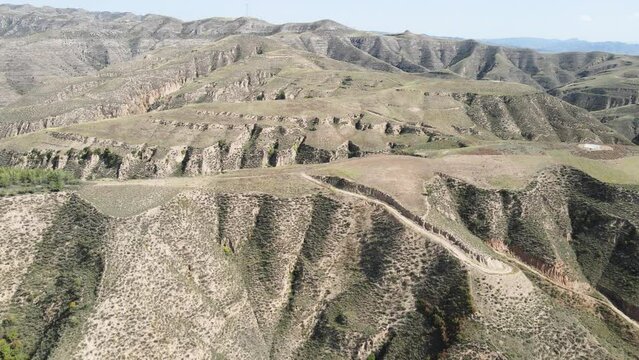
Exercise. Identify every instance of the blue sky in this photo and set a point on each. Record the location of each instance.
(594, 20)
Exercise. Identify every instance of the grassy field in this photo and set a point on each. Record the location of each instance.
(132, 197)
(403, 176)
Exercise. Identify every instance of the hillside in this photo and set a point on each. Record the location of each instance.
(557, 46)
(93, 41)
(234, 189)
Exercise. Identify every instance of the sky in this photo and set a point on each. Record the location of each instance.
(592, 20)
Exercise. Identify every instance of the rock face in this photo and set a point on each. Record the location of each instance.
(124, 161)
(346, 151)
(565, 223)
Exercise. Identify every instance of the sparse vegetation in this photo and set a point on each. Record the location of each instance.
(11, 347)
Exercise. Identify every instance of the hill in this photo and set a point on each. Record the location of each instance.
(230, 188)
(95, 40)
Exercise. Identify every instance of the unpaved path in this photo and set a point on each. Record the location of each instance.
(493, 267)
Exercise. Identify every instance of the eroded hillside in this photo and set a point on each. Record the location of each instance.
(257, 275)
(565, 223)
(310, 275)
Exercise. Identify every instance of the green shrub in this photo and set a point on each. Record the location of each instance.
(29, 180)
(280, 95)
(224, 146)
(11, 347)
(110, 159)
(85, 154)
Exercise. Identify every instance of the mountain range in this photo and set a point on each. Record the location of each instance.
(569, 45)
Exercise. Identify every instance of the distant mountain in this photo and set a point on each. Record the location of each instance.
(555, 46)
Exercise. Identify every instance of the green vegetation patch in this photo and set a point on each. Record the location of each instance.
(21, 181)
(60, 287)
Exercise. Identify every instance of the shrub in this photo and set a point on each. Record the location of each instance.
(28, 180)
(224, 146)
(11, 347)
(280, 95)
(341, 319)
(85, 154)
(110, 159)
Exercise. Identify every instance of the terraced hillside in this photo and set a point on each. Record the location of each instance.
(94, 41)
(624, 119)
(247, 102)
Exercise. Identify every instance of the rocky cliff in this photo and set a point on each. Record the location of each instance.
(565, 223)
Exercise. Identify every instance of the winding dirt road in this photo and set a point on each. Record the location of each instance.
(491, 267)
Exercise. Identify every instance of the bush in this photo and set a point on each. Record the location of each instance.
(11, 347)
(110, 159)
(280, 95)
(29, 179)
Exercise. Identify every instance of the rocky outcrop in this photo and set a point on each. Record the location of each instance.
(254, 147)
(245, 88)
(346, 151)
(565, 223)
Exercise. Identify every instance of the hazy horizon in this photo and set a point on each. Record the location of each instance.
(571, 19)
